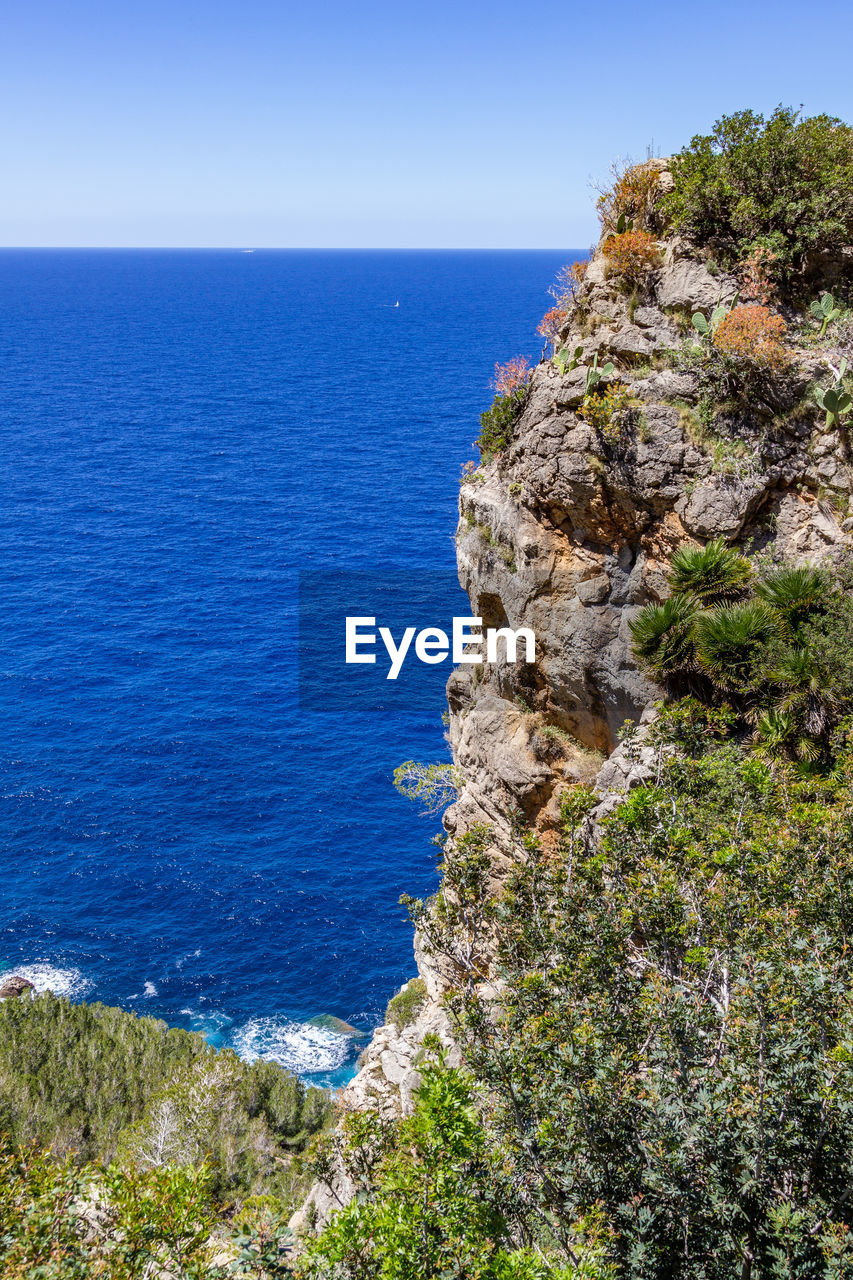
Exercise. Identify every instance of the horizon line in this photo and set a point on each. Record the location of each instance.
(320, 248)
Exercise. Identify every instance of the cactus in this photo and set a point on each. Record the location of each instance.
(566, 360)
(826, 311)
(835, 402)
(706, 327)
(624, 224)
(594, 374)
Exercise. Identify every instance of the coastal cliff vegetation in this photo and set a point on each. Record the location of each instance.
(629, 1051)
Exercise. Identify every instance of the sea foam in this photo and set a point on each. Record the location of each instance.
(300, 1047)
(49, 977)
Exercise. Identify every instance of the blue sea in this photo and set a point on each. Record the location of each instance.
(193, 442)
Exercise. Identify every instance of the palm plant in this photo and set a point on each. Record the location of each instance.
(805, 694)
(776, 734)
(794, 591)
(734, 643)
(663, 637)
(714, 574)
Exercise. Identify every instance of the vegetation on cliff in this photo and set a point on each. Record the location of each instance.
(102, 1084)
(128, 1143)
(781, 187)
(774, 643)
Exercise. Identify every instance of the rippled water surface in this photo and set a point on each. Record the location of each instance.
(183, 434)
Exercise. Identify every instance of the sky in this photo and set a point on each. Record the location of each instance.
(398, 125)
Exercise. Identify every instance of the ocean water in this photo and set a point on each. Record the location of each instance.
(193, 442)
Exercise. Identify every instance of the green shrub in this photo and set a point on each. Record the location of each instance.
(777, 646)
(603, 409)
(785, 183)
(676, 1032)
(404, 1006)
(428, 1204)
(433, 785)
(149, 1222)
(712, 574)
(497, 423)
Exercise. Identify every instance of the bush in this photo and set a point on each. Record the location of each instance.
(427, 1203)
(552, 322)
(403, 1007)
(776, 646)
(146, 1222)
(498, 422)
(632, 195)
(712, 574)
(631, 255)
(785, 183)
(753, 335)
(509, 378)
(603, 409)
(434, 785)
(676, 1033)
(565, 288)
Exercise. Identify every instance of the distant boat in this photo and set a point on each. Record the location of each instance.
(397, 303)
(248, 251)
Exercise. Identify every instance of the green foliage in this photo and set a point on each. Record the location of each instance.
(732, 642)
(566, 360)
(434, 785)
(795, 592)
(663, 635)
(712, 574)
(835, 401)
(455, 924)
(431, 1208)
(784, 183)
(775, 646)
(102, 1083)
(676, 1033)
(825, 311)
(403, 1007)
(594, 374)
(603, 409)
(497, 423)
(59, 1222)
(704, 327)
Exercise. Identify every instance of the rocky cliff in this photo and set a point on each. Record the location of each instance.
(568, 531)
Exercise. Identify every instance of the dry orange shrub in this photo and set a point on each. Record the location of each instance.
(631, 254)
(633, 193)
(752, 333)
(552, 322)
(511, 376)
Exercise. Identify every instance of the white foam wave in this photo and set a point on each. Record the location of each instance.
(149, 989)
(298, 1046)
(49, 977)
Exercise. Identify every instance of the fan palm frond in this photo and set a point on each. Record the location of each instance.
(663, 636)
(794, 591)
(714, 574)
(733, 643)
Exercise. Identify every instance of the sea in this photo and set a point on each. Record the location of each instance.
(210, 459)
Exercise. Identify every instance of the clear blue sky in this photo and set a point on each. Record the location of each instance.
(465, 124)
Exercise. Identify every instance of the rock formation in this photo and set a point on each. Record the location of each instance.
(15, 986)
